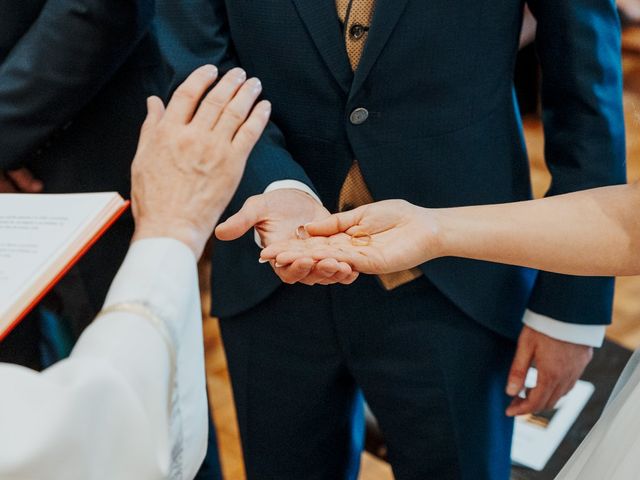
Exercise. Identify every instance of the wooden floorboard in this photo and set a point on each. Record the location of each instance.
(625, 328)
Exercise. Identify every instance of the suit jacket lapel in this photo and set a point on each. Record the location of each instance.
(385, 18)
(321, 19)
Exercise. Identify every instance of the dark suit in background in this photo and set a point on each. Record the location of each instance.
(74, 76)
(442, 130)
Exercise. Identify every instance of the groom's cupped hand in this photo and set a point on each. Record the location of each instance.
(379, 238)
(276, 216)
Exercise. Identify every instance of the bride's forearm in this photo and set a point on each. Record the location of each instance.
(594, 232)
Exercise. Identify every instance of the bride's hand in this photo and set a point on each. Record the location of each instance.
(382, 237)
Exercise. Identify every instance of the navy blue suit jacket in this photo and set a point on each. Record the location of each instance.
(443, 129)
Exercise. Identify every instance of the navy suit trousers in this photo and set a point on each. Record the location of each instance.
(433, 377)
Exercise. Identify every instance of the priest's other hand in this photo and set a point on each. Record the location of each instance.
(191, 155)
(19, 181)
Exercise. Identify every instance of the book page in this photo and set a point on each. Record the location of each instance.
(35, 230)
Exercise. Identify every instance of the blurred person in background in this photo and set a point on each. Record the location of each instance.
(130, 402)
(74, 75)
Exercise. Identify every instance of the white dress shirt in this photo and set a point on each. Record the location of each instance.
(109, 411)
(591, 335)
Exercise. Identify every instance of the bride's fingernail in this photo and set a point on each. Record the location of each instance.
(263, 260)
(279, 265)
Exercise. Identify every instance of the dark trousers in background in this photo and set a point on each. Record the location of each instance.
(433, 377)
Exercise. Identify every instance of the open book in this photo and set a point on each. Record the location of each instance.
(41, 237)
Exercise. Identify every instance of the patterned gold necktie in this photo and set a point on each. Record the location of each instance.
(356, 15)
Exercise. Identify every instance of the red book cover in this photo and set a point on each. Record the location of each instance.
(85, 248)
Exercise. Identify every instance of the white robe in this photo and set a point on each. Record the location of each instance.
(106, 412)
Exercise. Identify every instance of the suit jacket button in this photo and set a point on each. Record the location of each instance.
(359, 116)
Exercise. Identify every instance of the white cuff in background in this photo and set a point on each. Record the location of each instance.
(590, 335)
(280, 185)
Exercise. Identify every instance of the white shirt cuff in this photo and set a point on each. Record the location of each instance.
(590, 335)
(282, 184)
(294, 184)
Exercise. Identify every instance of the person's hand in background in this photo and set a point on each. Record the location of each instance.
(396, 235)
(192, 154)
(276, 217)
(19, 181)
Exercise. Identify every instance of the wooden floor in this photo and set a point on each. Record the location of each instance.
(625, 328)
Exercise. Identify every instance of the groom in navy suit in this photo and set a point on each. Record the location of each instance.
(406, 99)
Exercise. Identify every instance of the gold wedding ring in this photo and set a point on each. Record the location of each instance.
(360, 239)
(301, 233)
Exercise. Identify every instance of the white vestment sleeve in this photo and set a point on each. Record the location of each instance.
(108, 411)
